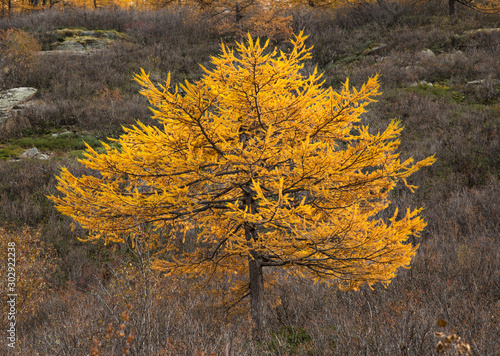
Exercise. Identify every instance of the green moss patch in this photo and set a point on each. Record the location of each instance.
(440, 90)
(10, 152)
(65, 142)
(288, 340)
(56, 143)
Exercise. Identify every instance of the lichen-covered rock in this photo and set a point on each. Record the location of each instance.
(87, 33)
(70, 46)
(29, 153)
(64, 133)
(78, 41)
(43, 156)
(11, 102)
(11, 98)
(33, 153)
(426, 54)
(95, 44)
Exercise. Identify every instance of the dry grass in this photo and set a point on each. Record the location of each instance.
(455, 276)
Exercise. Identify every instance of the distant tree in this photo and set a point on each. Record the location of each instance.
(263, 18)
(5, 8)
(157, 4)
(485, 6)
(314, 3)
(329, 3)
(254, 166)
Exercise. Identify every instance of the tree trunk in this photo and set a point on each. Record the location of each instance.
(237, 11)
(382, 5)
(451, 4)
(256, 296)
(254, 269)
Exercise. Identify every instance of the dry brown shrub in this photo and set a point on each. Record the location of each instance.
(34, 264)
(450, 343)
(18, 50)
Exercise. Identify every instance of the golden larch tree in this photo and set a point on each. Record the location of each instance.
(255, 165)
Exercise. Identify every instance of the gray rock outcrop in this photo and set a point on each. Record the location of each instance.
(70, 46)
(11, 99)
(426, 54)
(31, 153)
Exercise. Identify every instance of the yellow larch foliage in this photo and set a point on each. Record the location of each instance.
(259, 162)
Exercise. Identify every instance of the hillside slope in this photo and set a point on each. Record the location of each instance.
(440, 77)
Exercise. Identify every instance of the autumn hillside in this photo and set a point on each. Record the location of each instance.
(440, 77)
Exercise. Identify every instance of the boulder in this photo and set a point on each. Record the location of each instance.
(476, 82)
(421, 83)
(43, 156)
(30, 153)
(111, 35)
(491, 82)
(65, 133)
(95, 44)
(425, 55)
(87, 33)
(81, 41)
(12, 98)
(70, 46)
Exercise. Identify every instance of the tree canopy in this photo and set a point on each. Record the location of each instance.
(255, 165)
